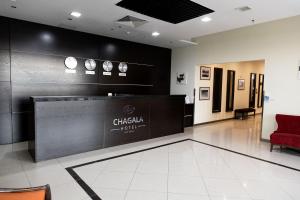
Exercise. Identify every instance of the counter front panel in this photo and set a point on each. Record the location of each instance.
(69, 125)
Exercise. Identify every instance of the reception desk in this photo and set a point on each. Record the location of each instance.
(65, 125)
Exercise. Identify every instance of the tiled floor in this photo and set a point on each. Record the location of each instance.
(243, 136)
(183, 171)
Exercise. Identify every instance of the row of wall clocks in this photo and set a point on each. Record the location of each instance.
(90, 65)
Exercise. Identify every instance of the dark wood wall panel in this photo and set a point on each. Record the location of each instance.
(5, 128)
(162, 77)
(4, 65)
(37, 53)
(21, 92)
(5, 85)
(4, 33)
(136, 74)
(35, 68)
(42, 39)
(20, 126)
(5, 97)
(118, 50)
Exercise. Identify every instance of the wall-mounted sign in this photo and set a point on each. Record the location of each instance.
(127, 122)
(107, 66)
(181, 78)
(71, 64)
(90, 65)
(129, 119)
(123, 67)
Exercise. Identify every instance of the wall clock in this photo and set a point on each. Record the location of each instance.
(90, 64)
(107, 66)
(123, 67)
(71, 62)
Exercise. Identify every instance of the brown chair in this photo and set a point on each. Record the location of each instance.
(35, 193)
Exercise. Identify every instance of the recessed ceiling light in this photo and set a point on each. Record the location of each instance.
(75, 14)
(155, 34)
(206, 19)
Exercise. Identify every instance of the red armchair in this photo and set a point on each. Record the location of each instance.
(288, 132)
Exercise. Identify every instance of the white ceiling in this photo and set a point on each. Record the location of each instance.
(99, 16)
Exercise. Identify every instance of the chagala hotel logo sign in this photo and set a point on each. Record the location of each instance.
(129, 122)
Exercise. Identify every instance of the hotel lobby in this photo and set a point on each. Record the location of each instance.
(149, 99)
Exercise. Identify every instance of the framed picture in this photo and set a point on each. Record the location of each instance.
(204, 93)
(181, 78)
(241, 84)
(205, 73)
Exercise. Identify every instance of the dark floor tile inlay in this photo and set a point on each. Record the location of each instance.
(94, 196)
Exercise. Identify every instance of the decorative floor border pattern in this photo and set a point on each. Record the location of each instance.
(94, 196)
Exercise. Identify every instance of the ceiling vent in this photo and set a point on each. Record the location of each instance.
(243, 9)
(131, 21)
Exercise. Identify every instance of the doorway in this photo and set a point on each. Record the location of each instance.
(222, 88)
(252, 90)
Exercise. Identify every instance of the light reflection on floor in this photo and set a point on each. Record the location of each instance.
(183, 171)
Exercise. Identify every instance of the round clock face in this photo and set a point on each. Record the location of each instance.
(90, 64)
(71, 62)
(123, 67)
(107, 66)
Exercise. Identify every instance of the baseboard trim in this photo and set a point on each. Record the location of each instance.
(220, 120)
(264, 140)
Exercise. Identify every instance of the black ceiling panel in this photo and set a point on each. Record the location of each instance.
(173, 11)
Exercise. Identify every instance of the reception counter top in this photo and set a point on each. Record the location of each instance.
(66, 125)
(86, 98)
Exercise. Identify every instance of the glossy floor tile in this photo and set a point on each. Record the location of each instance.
(186, 170)
(184, 175)
(243, 136)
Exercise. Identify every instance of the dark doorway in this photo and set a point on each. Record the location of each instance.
(260, 96)
(217, 90)
(252, 90)
(230, 90)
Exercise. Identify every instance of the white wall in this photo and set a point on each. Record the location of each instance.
(278, 43)
(203, 109)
